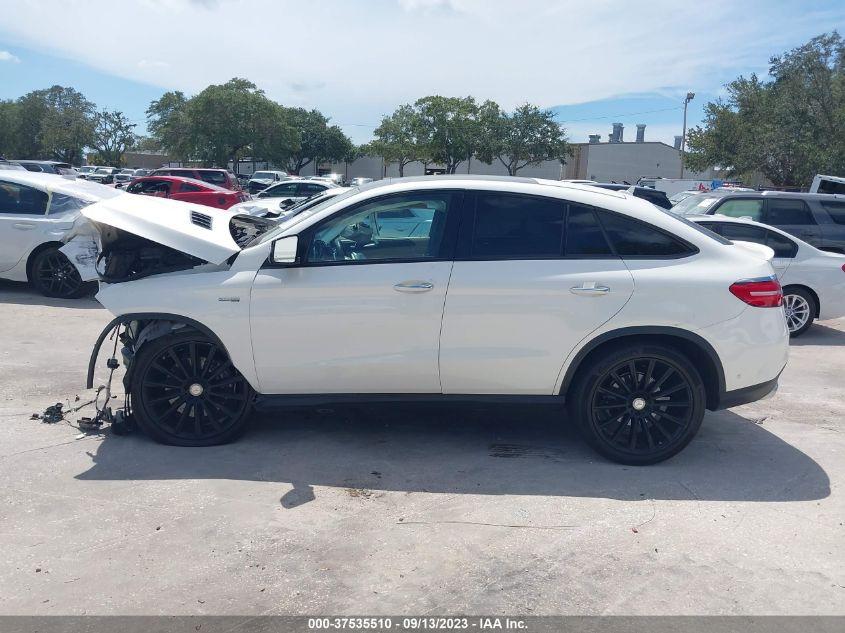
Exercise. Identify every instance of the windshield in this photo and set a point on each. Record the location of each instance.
(304, 214)
(268, 175)
(695, 205)
(103, 170)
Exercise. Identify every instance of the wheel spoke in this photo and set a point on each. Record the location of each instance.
(612, 394)
(635, 381)
(659, 383)
(178, 362)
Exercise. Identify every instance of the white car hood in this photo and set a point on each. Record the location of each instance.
(169, 223)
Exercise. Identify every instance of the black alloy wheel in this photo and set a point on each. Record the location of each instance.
(54, 275)
(640, 406)
(187, 392)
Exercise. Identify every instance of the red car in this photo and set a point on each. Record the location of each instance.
(220, 177)
(186, 190)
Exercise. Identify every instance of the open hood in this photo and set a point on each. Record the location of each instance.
(200, 231)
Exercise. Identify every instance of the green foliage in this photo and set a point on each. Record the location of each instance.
(789, 128)
(54, 123)
(229, 121)
(528, 136)
(447, 129)
(313, 140)
(396, 138)
(167, 123)
(113, 135)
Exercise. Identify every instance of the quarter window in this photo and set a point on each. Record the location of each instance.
(788, 212)
(632, 238)
(15, 198)
(741, 208)
(511, 226)
(380, 230)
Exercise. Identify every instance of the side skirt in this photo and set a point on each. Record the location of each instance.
(268, 402)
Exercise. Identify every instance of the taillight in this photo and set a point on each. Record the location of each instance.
(843, 268)
(764, 292)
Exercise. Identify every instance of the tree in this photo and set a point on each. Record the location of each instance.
(68, 124)
(447, 129)
(314, 140)
(167, 122)
(9, 114)
(225, 120)
(788, 128)
(396, 138)
(528, 136)
(113, 135)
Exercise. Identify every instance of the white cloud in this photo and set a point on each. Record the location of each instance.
(152, 63)
(6, 56)
(358, 61)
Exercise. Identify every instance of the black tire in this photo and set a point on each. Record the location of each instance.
(800, 309)
(186, 392)
(53, 275)
(643, 420)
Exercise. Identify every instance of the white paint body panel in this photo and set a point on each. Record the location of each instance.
(508, 324)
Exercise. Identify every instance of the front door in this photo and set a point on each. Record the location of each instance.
(362, 312)
(793, 216)
(533, 276)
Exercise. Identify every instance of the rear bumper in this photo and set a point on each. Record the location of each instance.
(749, 394)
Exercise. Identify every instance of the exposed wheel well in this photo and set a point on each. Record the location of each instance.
(704, 360)
(31, 259)
(817, 304)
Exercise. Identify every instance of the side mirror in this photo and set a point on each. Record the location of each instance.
(284, 250)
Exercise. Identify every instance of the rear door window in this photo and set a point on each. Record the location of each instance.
(788, 213)
(514, 226)
(584, 236)
(741, 208)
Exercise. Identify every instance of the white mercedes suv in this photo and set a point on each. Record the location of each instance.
(438, 288)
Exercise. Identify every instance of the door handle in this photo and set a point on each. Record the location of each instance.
(589, 289)
(24, 226)
(413, 286)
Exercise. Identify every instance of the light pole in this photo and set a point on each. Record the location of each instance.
(690, 96)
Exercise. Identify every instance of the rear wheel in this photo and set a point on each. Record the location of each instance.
(53, 275)
(638, 404)
(186, 392)
(799, 308)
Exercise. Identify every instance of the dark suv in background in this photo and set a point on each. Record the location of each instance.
(654, 196)
(816, 218)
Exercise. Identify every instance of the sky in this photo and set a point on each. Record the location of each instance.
(592, 62)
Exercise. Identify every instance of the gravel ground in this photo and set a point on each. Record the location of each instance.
(424, 510)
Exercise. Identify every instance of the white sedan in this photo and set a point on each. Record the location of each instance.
(36, 211)
(813, 280)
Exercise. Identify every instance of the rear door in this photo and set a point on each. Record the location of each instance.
(22, 221)
(793, 216)
(533, 276)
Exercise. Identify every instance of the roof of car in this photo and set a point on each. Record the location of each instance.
(39, 162)
(796, 195)
(226, 171)
(62, 184)
(184, 179)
